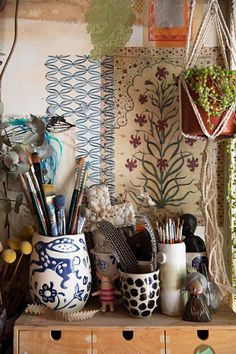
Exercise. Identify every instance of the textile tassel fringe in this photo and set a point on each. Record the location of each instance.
(213, 235)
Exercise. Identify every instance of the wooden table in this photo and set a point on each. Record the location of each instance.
(118, 333)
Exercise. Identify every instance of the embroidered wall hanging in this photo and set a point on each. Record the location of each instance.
(109, 23)
(149, 148)
(84, 87)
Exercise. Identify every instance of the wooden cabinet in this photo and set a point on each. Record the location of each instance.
(118, 333)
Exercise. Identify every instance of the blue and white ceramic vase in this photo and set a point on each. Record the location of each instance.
(60, 272)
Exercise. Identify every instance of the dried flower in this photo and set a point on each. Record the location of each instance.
(9, 255)
(13, 243)
(25, 247)
(26, 233)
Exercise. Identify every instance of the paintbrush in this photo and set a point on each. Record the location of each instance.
(38, 188)
(49, 194)
(75, 193)
(60, 202)
(26, 193)
(79, 200)
(37, 167)
(81, 219)
(36, 205)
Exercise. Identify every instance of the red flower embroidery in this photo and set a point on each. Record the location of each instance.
(131, 164)
(140, 119)
(192, 164)
(143, 99)
(161, 73)
(161, 124)
(135, 140)
(162, 164)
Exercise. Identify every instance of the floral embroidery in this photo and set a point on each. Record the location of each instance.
(161, 124)
(140, 119)
(161, 73)
(131, 164)
(192, 164)
(135, 140)
(162, 164)
(143, 99)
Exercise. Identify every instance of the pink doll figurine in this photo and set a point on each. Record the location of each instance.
(107, 291)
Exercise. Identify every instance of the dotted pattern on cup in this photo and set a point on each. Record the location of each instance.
(140, 294)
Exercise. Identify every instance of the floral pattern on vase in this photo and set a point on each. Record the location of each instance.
(60, 272)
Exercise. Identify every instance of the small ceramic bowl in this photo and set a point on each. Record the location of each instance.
(105, 263)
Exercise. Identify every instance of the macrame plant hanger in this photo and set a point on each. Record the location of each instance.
(208, 180)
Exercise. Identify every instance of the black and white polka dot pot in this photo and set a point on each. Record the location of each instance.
(140, 293)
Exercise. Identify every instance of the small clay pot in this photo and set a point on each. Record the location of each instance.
(190, 123)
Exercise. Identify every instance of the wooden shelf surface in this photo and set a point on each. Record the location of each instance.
(224, 318)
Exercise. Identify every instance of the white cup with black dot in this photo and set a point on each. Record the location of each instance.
(140, 293)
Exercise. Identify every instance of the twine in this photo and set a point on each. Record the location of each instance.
(213, 235)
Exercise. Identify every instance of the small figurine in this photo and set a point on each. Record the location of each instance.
(196, 308)
(107, 291)
(195, 246)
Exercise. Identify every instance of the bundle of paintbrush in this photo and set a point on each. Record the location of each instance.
(49, 208)
(169, 230)
(32, 187)
(76, 217)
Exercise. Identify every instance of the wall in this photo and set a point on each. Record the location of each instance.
(52, 29)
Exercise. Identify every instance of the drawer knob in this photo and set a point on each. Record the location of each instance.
(56, 335)
(128, 335)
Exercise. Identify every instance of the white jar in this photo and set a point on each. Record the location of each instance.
(172, 260)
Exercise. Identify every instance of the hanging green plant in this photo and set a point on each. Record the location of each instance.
(213, 88)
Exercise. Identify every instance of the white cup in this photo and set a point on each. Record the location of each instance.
(172, 260)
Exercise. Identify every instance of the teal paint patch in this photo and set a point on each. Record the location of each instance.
(204, 349)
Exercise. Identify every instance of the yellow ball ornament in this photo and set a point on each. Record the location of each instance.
(9, 255)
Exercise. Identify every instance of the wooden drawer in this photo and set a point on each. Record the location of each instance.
(132, 341)
(54, 342)
(186, 341)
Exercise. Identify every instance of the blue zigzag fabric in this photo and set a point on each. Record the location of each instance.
(84, 87)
